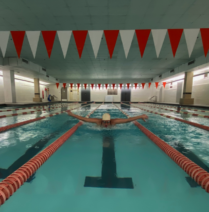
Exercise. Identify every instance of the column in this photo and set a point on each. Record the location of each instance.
(36, 91)
(9, 87)
(187, 91)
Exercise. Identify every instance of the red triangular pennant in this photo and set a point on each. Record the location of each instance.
(71, 85)
(143, 84)
(164, 84)
(142, 37)
(49, 37)
(156, 84)
(175, 37)
(99, 85)
(113, 85)
(85, 85)
(121, 85)
(106, 85)
(57, 84)
(92, 86)
(205, 39)
(135, 85)
(64, 84)
(78, 84)
(111, 38)
(18, 38)
(80, 38)
(128, 85)
(150, 84)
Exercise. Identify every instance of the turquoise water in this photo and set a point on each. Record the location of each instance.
(175, 132)
(159, 184)
(188, 117)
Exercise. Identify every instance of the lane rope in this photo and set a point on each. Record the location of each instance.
(15, 180)
(198, 174)
(174, 118)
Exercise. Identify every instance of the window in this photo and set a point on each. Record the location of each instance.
(112, 92)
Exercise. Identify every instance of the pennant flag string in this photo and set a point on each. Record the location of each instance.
(164, 84)
(142, 38)
(4, 37)
(80, 38)
(18, 38)
(49, 37)
(175, 37)
(78, 84)
(57, 84)
(64, 84)
(111, 36)
(33, 38)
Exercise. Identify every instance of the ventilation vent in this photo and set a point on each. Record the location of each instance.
(57, 79)
(191, 62)
(151, 79)
(43, 69)
(24, 61)
(160, 75)
(172, 71)
(47, 75)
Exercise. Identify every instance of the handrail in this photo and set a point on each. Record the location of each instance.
(15, 180)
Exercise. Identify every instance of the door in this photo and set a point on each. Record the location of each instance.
(125, 95)
(85, 95)
(63, 93)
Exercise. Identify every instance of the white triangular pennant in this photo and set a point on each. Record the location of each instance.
(191, 37)
(126, 37)
(33, 38)
(95, 37)
(64, 38)
(4, 37)
(158, 37)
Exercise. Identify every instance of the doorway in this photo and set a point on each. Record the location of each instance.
(125, 95)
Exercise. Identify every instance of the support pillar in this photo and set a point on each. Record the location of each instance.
(187, 91)
(36, 91)
(9, 87)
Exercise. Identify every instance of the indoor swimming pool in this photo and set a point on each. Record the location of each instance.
(104, 169)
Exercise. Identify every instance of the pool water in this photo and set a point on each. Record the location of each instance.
(153, 182)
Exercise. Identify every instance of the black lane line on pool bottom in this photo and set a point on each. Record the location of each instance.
(109, 177)
(30, 153)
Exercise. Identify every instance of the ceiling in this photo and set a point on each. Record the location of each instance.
(100, 15)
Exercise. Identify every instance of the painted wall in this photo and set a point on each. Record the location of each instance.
(24, 91)
(200, 92)
(1, 90)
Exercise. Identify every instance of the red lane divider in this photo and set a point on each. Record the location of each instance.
(10, 184)
(174, 118)
(15, 180)
(192, 169)
(8, 127)
(187, 113)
